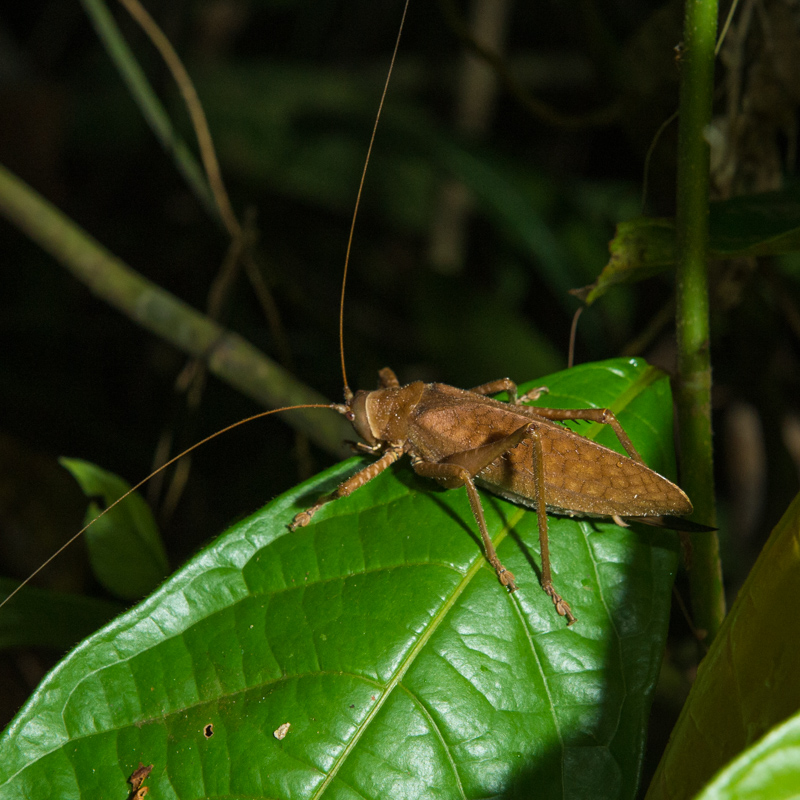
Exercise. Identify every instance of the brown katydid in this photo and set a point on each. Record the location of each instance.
(466, 438)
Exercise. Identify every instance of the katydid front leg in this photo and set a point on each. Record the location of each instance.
(350, 485)
(387, 378)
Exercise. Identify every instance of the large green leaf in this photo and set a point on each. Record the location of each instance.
(768, 769)
(751, 225)
(747, 683)
(382, 636)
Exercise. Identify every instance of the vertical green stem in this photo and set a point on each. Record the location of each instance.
(694, 362)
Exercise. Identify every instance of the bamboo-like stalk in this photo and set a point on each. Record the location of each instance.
(227, 355)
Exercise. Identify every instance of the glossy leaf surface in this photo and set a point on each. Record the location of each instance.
(383, 637)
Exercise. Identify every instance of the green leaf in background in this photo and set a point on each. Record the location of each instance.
(382, 636)
(41, 618)
(764, 224)
(640, 249)
(751, 225)
(302, 132)
(769, 769)
(125, 547)
(748, 681)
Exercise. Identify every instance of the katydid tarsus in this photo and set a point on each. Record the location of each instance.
(464, 438)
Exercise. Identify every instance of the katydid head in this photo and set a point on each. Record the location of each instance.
(355, 410)
(383, 415)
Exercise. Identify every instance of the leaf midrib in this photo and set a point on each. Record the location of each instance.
(410, 658)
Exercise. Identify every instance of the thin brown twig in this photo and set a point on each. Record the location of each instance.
(191, 382)
(251, 260)
(698, 635)
(649, 155)
(669, 120)
(573, 335)
(243, 236)
(725, 27)
(195, 108)
(213, 172)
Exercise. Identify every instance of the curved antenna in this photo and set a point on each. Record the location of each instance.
(152, 474)
(348, 394)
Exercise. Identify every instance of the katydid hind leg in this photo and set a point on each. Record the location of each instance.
(478, 458)
(460, 469)
(454, 475)
(562, 607)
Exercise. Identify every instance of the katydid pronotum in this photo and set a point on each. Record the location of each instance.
(466, 438)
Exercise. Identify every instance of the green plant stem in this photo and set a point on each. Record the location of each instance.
(694, 360)
(228, 356)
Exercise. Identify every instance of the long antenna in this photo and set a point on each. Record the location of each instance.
(152, 474)
(348, 394)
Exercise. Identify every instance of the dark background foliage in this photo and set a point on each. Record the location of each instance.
(290, 89)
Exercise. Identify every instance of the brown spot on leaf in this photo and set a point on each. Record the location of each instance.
(281, 731)
(139, 776)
